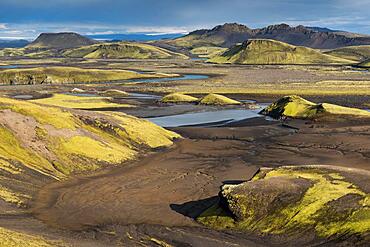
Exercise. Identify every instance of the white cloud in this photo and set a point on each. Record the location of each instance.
(325, 22)
(157, 30)
(3, 26)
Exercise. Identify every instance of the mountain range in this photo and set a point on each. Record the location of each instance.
(229, 34)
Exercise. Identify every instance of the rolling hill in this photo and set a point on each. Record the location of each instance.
(60, 41)
(265, 51)
(122, 50)
(230, 34)
(356, 53)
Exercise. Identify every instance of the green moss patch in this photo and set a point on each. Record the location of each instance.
(178, 98)
(265, 51)
(292, 200)
(296, 107)
(217, 99)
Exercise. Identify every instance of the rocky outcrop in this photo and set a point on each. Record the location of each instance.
(303, 204)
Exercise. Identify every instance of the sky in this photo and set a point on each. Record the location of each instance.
(28, 18)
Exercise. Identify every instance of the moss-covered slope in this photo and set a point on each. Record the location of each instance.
(39, 143)
(355, 53)
(178, 98)
(80, 102)
(217, 99)
(265, 51)
(207, 51)
(60, 75)
(310, 202)
(122, 50)
(296, 107)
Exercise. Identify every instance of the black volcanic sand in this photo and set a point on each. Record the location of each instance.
(157, 197)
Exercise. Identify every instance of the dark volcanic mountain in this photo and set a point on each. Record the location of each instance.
(231, 33)
(61, 41)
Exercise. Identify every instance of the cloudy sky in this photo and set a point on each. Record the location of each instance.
(27, 18)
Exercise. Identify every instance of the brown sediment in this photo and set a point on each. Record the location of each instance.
(173, 187)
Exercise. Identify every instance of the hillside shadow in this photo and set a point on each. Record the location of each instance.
(193, 209)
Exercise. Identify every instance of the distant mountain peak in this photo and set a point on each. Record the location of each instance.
(231, 27)
(60, 40)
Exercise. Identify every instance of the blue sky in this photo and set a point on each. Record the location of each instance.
(27, 18)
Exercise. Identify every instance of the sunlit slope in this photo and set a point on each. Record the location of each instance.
(39, 143)
(178, 98)
(296, 107)
(207, 51)
(217, 99)
(80, 102)
(122, 50)
(297, 203)
(265, 51)
(355, 53)
(60, 75)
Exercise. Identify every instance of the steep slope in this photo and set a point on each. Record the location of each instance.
(40, 143)
(223, 35)
(122, 50)
(230, 34)
(263, 51)
(60, 41)
(356, 53)
(303, 205)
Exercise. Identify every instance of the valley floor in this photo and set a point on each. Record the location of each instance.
(153, 201)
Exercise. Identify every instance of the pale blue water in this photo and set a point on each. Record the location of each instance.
(205, 117)
(9, 66)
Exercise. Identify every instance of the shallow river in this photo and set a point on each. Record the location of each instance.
(213, 118)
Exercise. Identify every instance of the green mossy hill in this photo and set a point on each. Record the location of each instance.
(217, 99)
(40, 143)
(296, 107)
(122, 50)
(322, 201)
(265, 51)
(207, 51)
(115, 93)
(61, 75)
(355, 53)
(178, 98)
